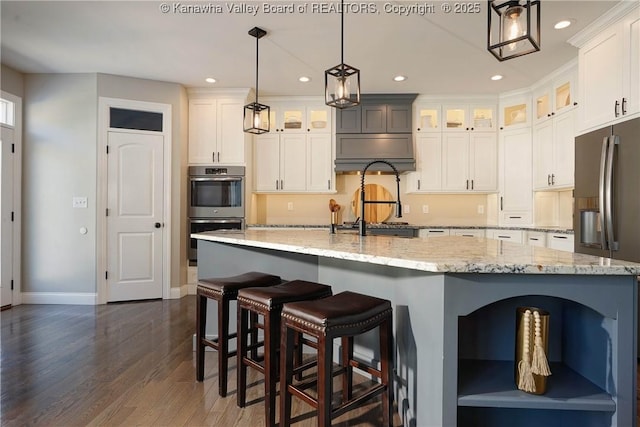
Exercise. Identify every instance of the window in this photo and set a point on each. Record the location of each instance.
(133, 119)
(7, 112)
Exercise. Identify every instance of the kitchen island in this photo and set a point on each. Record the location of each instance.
(454, 301)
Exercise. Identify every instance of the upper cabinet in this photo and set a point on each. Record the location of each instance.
(515, 111)
(300, 118)
(555, 96)
(609, 66)
(427, 117)
(464, 118)
(216, 133)
(379, 114)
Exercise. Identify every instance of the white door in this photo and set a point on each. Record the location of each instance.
(135, 217)
(6, 225)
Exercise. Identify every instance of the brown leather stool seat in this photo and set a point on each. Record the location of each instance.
(344, 316)
(268, 302)
(222, 290)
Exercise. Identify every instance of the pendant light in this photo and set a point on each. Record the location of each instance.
(256, 115)
(342, 82)
(513, 28)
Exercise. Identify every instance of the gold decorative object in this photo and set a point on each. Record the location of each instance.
(532, 367)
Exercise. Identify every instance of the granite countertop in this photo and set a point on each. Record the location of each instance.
(452, 254)
(543, 229)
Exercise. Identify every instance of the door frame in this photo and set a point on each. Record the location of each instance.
(16, 296)
(104, 103)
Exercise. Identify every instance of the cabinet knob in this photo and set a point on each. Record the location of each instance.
(575, 103)
(553, 114)
(418, 128)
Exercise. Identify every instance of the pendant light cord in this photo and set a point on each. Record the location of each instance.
(342, 34)
(257, 41)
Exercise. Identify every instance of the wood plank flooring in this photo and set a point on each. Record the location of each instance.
(123, 364)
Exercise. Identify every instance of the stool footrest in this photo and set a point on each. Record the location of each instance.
(353, 403)
(366, 368)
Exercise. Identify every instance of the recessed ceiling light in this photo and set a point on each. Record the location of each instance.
(305, 79)
(496, 77)
(210, 80)
(562, 24)
(399, 78)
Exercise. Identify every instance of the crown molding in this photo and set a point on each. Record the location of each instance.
(612, 16)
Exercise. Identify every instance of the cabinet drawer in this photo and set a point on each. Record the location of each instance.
(468, 232)
(434, 232)
(536, 238)
(562, 242)
(509, 235)
(516, 218)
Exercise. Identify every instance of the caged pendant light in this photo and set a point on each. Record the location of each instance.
(342, 82)
(256, 115)
(513, 28)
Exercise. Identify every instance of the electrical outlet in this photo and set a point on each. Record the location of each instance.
(425, 209)
(406, 209)
(79, 202)
(290, 206)
(480, 209)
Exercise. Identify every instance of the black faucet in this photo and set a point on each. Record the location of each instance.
(363, 223)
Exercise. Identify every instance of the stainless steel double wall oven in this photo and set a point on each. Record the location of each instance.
(216, 201)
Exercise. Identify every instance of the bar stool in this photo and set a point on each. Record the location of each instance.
(222, 290)
(344, 316)
(267, 302)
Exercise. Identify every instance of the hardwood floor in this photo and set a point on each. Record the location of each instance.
(123, 364)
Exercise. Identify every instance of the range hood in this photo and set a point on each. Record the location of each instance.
(378, 129)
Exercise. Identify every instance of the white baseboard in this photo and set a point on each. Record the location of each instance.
(59, 298)
(179, 292)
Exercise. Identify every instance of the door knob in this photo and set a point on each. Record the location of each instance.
(158, 225)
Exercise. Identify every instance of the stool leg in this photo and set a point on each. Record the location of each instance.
(386, 358)
(271, 325)
(298, 355)
(325, 378)
(223, 345)
(201, 321)
(253, 321)
(286, 373)
(240, 354)
(347, 375)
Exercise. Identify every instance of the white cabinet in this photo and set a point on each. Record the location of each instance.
(556, 95)
(609, 66)
(433, 232)
(516, 195)
(215, 131)
(559, 241)
(293, 163)
(507, 235)
(462, 117)
(515, 111)
(428, 174)
(537, 238)
(553, 160)
(469, 161)
(427, 117)
(299, 117)
(468, 232)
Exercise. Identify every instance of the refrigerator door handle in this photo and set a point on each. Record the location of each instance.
(601, 204)
(611, 238)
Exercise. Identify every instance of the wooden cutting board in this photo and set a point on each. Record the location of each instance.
(375, 212)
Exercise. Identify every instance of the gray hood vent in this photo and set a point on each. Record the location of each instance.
(379, 128)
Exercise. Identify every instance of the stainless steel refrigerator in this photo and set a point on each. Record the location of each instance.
(606, 215)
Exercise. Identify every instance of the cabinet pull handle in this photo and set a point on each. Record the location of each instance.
(553, 179)
(277, 185)
(500, 202)
(467, 184)
(624, 106)
(515, 217)
(615, 109)
(533, 238)
(328, 184)
(548, 179)
(472, 184)
(418, 184)
(559, 237)
(504, 237)
(282, 184)
(213, 156)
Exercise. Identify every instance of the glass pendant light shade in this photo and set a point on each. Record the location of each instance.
(342, 86)
(256, 115)
(342, 82)
(256, 118)
(513, 28)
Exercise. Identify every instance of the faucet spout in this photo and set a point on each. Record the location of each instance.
(363, 224)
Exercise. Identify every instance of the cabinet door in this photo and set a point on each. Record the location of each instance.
(318, 119)
(427, 118)
(230, 134)
(202, 131)
(374, 118)
(483, 161)
(348, 120)
(267, 162)
(293, 167)
(398, 118)
(482, 118)
(320, 163)
(292, 118)
(429, 162)
(631, 66)
(455, 161)
(542, 155)
(515, 112)
(455, 118)
(515, 165)
(561, 242)
(563, 150)
(600, 76)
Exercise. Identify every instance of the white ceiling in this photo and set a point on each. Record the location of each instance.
(440, 53)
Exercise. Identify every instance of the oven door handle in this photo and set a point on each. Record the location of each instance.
(215, 221)
(221, 178)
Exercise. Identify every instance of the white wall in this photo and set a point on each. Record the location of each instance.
(59, 162)
(11, 81)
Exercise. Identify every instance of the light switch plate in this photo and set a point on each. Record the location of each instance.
(406, 209)
(290, 206)
(425, 209)
(480, 209)
(79, 202)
